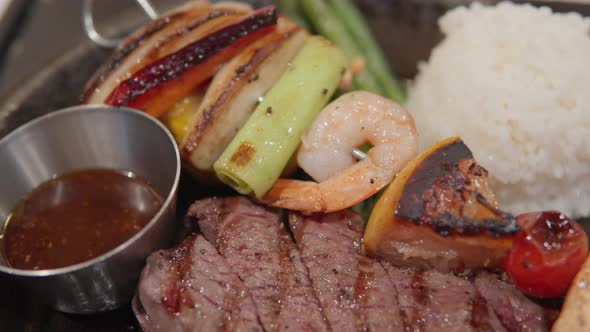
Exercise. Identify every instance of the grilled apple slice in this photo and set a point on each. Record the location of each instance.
(166, 34)
(234, 92)
(156, 87)
(440, 213)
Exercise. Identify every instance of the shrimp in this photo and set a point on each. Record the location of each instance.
(354, 119)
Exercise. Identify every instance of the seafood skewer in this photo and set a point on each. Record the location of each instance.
(149, 46)
(353, 120)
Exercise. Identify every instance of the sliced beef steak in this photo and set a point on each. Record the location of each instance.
(354, 291)
(245, 273)
(258, 248)
(517, 312)
(192, 288)
(433, 301)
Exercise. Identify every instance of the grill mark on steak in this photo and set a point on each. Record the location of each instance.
(404, 282)
(192, 286)
(285, 264)
(515, 310)
(480, 314)
(354, 291)
(420, 294)
(227, 230)
(176, 295)
(433, 301)
(419, 289)
(363, 282)
(260, 251)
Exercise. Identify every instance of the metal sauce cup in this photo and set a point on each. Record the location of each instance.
(82, 137)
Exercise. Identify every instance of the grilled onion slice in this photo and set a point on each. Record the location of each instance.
(234, 92)
(156, 87)
(161, 37)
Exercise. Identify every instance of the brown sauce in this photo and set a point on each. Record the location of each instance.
(76, 217)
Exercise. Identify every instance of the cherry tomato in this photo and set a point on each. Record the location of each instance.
(546, 254)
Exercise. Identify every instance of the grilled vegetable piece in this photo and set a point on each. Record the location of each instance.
(178, 118)
(292, 9)
(439, 212)
(377, 64)
(232, 96)
(547, 253)
(257, 155)
(156, 87)
(166, 34)
(326, 22)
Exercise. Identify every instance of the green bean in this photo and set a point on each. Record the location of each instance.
(292, 10)
(365, 207)
(358, 28)
(257, 155)
(327, 23)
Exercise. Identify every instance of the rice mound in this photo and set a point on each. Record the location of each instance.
(514, 82)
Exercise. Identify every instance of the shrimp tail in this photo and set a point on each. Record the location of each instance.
(294, 194)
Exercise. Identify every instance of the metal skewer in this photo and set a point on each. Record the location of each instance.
(95, 36)
(150, 10)
(358, 154)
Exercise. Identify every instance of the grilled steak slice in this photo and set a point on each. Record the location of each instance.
(433, 301)
(516, 311)
(258, 248)
(354, 291)
(191, 287)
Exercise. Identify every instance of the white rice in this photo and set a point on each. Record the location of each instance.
(514, 82)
